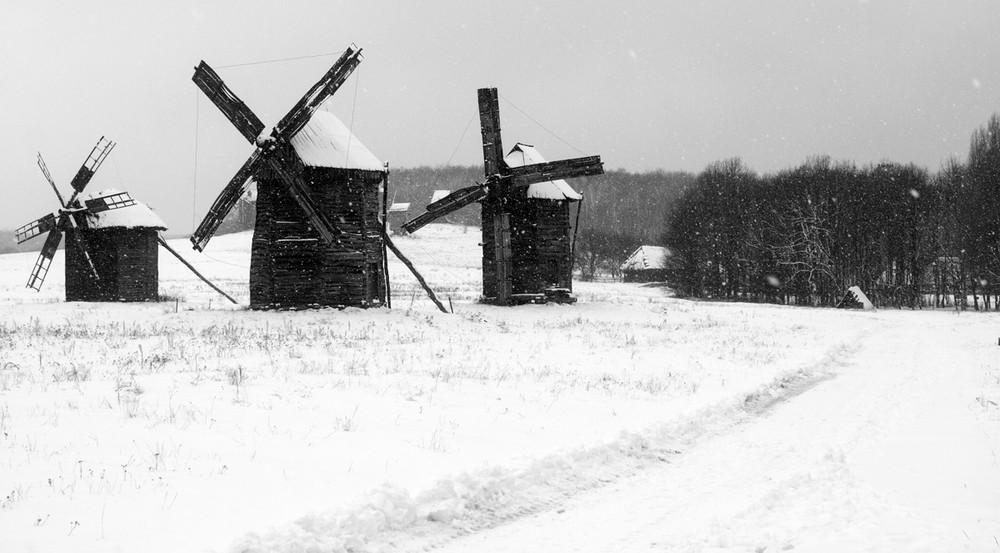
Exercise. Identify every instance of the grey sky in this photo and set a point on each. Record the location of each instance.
(649, 84)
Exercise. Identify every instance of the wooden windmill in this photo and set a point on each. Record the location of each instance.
(111, 249)
(319, 236)
(515, 232)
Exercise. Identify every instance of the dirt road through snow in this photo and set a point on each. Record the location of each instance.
(899, 452)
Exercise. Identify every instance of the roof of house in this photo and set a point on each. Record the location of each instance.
(647, 257)
(438, 194)
(134, 215)
(397, 207)
(526, 154)
(326, 142)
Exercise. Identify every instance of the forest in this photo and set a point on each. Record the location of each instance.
(802, 236)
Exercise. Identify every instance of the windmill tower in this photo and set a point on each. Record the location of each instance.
(525, 243)
(111, 250)
(319, 236)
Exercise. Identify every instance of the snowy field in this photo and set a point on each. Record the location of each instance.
(629, 421)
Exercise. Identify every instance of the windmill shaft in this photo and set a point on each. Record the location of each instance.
(245, 121)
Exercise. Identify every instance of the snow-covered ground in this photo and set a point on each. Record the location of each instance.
(628, 421)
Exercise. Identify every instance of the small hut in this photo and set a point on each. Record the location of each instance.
(291, 265)
(397, 214)
(122, 245)
(541, 249)
(647, 264)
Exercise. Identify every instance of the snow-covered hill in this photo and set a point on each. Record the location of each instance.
(195, 425)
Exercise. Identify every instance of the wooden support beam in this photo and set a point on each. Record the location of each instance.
(409, 265)
(193, 270)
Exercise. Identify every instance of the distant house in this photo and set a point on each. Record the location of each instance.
(397, 214)
(647, 264)
(439, 194)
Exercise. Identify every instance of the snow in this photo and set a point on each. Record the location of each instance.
(647, 257)
(526, 154)
(631, 420)
(326, 141)
(138, 215)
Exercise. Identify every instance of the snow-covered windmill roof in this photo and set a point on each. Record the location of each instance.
(526, 154)
(326, 141)
(135, 215)
(647, 257)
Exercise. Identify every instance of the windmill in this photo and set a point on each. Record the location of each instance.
(96, 243)
(310, 171)
(512, 229)
(112, 251)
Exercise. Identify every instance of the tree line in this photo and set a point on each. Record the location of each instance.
(804, 235)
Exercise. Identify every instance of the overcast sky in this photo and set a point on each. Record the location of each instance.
(651, 84)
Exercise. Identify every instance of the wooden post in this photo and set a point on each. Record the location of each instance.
(385, 232)
(501, 244)
(409, 265)
(193, 270)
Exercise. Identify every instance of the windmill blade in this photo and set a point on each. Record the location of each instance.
(97, 156)
(448, 204)
(553, 170)
(289, 169)
(249, 125)
(300, 113)
(41, 268)
(226, 200)
(489, 122)
(35, 228)
(113, 201)
(48, 177)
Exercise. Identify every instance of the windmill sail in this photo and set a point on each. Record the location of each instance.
(228, 103)
(41, 268)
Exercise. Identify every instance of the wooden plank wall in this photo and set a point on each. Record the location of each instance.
(126, 261)
(540, 240)
(293, 268)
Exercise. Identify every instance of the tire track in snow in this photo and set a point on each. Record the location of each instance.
(807, 476)
(547, 485)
